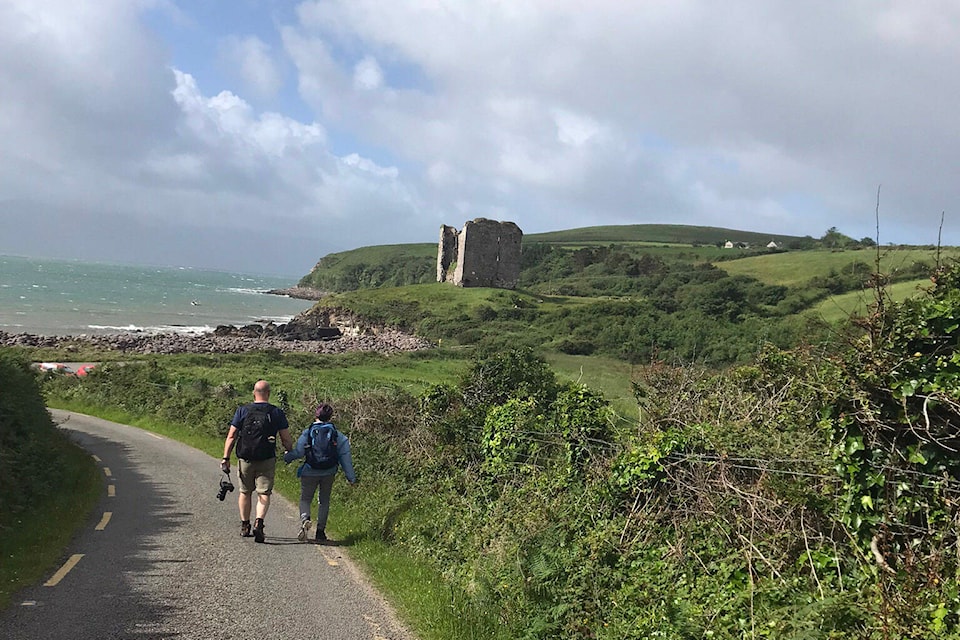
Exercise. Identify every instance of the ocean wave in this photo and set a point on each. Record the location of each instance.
(246, 290)
(169, 328)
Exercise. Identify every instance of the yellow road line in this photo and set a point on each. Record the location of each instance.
(104, 520)
(111, 490)
(63, 571)
(330, 561)
(97, 458)
(154, 435)
(106, 471)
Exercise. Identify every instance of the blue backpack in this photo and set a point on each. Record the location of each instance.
(321, 446)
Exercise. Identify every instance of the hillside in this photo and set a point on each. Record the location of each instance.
(662, 234)
(401, 264)
(629, 293)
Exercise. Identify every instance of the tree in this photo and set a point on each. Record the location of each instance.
(833, 239)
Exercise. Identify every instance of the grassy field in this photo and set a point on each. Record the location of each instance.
(655, 233)
(379, 253)
(838, 308)
(794, 268)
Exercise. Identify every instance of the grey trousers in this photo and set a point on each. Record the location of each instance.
(308, 487)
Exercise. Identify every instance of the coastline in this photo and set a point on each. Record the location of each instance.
(300, 293)
(228, 339)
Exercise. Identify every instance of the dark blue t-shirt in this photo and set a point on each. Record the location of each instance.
(278, 418)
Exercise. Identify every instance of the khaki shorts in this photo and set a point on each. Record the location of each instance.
(257, 475)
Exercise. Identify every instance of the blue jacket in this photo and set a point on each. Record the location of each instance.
(344, 458)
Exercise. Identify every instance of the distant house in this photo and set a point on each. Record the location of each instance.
(772, 245)
(728, 245)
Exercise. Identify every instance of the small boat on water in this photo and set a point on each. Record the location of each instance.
(195, 302)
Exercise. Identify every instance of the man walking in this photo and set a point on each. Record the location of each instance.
(254, 430)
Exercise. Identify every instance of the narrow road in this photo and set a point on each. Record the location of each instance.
(161, 557)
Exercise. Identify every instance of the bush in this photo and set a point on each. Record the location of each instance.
(31, 447)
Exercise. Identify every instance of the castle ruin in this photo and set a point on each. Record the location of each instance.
(485, 253)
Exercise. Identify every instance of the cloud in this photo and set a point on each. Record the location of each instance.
(106, 155)
(253, 61)
(829, 94)
(367, 74)
(340, 123)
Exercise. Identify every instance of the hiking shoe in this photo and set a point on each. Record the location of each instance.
(305, 525)
(245, 529)
(320, 537)
(258, 530)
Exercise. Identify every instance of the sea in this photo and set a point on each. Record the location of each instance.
(69, 298)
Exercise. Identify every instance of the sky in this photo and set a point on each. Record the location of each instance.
(260, 135)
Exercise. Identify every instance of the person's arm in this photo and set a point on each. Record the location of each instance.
(228, 448)
(283, 430)
(346, 459)
(286, 441)
(299, 450)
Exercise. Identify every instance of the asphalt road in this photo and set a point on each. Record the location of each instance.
(161, 557)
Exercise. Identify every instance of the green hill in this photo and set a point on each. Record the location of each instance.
(661, 234)
(627, 293)
(376, 266)
(402, 264)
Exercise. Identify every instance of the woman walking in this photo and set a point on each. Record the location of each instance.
(324, 450)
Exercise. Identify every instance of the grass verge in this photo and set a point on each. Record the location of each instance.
(31, 547)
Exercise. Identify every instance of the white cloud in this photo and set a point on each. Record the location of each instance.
(253, 61)
(812, 105)
(226, 117)
(365, 164)
(574, 129)
(410, 113)
(367, 74)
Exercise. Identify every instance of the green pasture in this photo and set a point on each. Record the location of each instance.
(405, 306)
(795, 268)
(857, 303)
(378, 254)
(655, 233)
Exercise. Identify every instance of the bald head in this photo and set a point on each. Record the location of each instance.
(261, 391)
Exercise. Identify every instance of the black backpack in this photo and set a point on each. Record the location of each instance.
(257, 438)
(321, 448)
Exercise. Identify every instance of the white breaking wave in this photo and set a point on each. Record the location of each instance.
(246, 290)
(132, 328)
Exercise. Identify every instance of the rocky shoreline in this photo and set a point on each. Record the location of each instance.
(227, 339)
(300, 293)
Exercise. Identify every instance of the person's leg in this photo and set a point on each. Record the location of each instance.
(244, 502)
(308, 487)
(323, 505)
(263, 505)
(265, 470)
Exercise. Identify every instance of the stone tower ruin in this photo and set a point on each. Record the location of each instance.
(485, 253)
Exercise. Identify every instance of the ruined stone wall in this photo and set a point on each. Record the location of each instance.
(487, 254)
(447, 253)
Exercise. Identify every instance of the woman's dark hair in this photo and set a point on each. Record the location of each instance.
(324, 411)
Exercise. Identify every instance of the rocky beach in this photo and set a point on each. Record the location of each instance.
(307, 334)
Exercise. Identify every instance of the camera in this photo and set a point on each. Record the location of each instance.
(225, 486)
